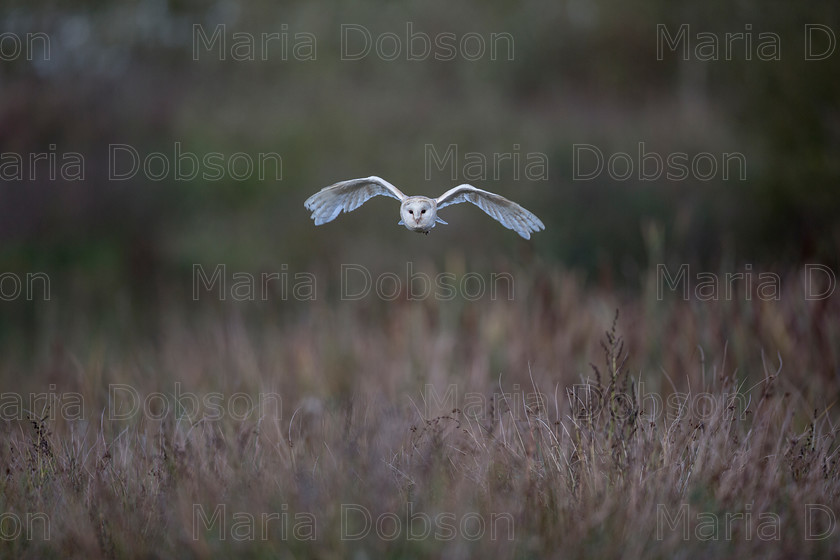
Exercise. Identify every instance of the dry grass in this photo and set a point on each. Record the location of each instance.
(571, 470)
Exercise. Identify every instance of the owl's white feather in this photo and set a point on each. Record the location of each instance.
(328, 203)
(419, 213)
(506, 212)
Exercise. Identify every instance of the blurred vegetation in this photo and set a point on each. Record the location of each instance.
(583, 73)
(734, 428)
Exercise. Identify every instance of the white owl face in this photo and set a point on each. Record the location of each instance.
(418, 213)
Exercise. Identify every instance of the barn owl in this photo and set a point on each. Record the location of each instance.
(418, 213)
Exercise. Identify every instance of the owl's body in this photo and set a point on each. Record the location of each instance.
(418, 213)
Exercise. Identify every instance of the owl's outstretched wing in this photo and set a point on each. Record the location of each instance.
(328, 203)
(506, 212)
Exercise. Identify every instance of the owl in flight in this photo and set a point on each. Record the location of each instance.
(418, 213)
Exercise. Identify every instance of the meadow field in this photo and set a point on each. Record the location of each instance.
(555, 421)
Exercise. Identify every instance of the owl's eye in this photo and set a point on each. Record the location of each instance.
(423, 211)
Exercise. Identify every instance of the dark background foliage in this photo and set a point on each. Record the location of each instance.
(582, 73)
